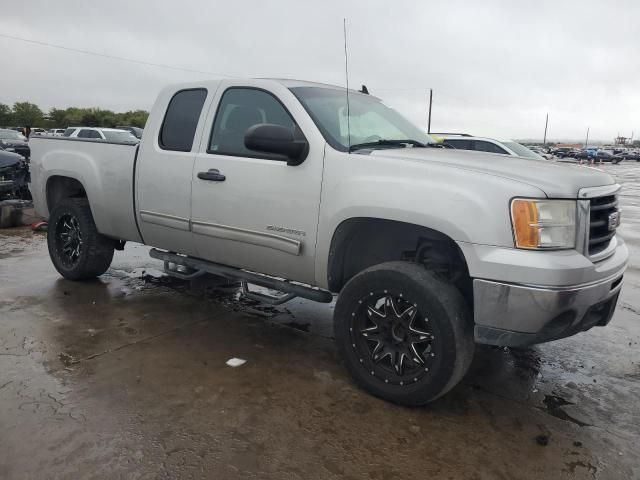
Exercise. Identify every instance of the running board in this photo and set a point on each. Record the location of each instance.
(193, 268)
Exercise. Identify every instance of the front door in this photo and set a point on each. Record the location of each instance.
(250, 209)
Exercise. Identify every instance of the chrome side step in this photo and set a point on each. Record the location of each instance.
(187, 268)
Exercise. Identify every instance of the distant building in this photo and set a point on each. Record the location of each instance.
(622, 140)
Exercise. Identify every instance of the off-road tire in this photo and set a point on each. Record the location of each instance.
(447, 357)
(96, 251)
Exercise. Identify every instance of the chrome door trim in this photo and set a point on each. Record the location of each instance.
(262, 239)
(165, 220)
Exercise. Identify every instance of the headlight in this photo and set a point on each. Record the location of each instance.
(544, 224)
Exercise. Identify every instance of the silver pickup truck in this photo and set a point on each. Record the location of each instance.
(285, 185)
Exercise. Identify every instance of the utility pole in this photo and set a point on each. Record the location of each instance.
(430, 103)
(546, 122)
(586, 142)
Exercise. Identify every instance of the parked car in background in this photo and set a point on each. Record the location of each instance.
(540, 151)
(14, 176)
(14, 141)
(628, 156)
(137, 132)
(106, 134)
(490, 145)
(38, 131)
(56, 132)
(597, 155)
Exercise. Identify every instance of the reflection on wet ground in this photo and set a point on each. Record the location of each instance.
(126, 377)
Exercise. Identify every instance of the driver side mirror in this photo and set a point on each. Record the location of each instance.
(271, 138)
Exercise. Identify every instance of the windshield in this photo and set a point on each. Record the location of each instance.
(11, 135)
(522, 151)
(114, 136)
(370, 119)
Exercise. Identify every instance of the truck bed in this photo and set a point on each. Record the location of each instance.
(106, 171)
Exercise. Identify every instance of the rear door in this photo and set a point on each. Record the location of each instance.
(260, 214)
(163, 170)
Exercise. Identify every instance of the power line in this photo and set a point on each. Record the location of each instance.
(113, 57)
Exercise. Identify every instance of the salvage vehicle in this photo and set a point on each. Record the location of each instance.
(626, 156)
(490, 145)
(106, 134)
(135, 131)
(14, 176)
(278, 184)
(13, 141)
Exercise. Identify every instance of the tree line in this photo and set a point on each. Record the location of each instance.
(23, 114)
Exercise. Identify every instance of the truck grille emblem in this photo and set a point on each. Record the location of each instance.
(614, 221)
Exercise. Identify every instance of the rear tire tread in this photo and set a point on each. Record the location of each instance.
(97, 251)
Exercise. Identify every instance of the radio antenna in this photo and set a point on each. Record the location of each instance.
(346, 74)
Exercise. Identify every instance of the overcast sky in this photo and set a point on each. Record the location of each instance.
(496, 67)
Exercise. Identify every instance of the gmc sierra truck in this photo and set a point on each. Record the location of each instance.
(292, 186)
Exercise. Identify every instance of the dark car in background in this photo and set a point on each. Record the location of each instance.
(14, 176)
(137, 132)
(628, 156)
(14, 142)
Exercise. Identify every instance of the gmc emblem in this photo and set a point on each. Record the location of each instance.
(614, 221)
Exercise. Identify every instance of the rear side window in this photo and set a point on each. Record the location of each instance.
(181, 120)
(84, 133)
(68, 132)
(482, 146)
(459, 143)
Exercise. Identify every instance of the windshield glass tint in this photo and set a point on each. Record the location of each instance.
(370, 119)
(119, 136)
(10, 135)
(522, 151)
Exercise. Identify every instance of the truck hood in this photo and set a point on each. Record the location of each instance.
(556, 180)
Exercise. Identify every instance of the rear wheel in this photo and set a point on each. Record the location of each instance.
(76, 248)
(404, 334)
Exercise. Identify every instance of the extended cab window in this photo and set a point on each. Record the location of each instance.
(181, 120)
(239, 110)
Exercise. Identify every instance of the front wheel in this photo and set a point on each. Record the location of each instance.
(404, 334)
(76, 248)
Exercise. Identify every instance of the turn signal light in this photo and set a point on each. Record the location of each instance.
(543, 224)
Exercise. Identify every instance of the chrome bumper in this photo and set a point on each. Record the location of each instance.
(520, 315)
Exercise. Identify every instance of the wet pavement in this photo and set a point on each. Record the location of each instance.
(126, 377)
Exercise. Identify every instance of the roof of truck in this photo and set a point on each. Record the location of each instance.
(286, 82)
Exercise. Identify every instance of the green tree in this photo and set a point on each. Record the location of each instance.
(25, 113)
(6, 115)
(57, 118)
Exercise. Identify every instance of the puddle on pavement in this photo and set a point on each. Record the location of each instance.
(553, 406)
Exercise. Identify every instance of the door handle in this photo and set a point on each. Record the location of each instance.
(213, 175)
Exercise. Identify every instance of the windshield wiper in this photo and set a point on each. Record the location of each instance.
(386, 143)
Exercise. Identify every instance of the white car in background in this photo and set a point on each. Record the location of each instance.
(465, 141)
(56, 132)
(105, 134)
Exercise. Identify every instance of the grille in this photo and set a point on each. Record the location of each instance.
(599, 234)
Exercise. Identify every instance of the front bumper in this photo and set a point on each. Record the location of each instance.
(520, 315)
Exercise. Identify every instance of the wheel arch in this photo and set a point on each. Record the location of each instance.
(361, 242)
(59, 187)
